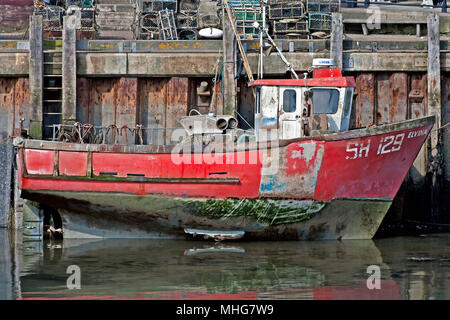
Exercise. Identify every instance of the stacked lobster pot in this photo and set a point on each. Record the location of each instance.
(187, 19)
(85, 9)
(319, 14)
(246, 14)
(52, 17)
(150, 14)
(288, 19)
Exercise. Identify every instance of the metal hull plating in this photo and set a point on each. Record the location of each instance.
(337, 186)
(103, 215)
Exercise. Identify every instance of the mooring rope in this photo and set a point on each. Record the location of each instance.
(440, 128)
(8, 138)
(429, 223)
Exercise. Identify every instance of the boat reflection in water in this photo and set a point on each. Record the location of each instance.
(149, 269)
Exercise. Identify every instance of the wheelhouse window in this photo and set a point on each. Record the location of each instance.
(348, 101)
(258, 100)
(289, 101)
(325, 101)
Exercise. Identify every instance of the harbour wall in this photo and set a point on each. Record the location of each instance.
(154, 83)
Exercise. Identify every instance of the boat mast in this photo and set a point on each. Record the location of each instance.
(241, 48)
(288, 64)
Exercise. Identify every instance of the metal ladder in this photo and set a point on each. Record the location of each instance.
(52, 91)
(166, 25)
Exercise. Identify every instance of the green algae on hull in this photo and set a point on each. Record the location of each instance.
(268, 212)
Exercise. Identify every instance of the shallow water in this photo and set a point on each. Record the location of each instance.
(410, 268)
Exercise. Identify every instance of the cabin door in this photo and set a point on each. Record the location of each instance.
(290, 113)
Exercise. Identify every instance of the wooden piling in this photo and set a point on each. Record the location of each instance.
(337, 35)
(36, 72)
(69, 71)
(6, 156)
(229, 81)
(434, 108)
(6, 276)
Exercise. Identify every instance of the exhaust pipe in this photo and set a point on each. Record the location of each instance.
(226, 122)
(222, 124)
(232, 123)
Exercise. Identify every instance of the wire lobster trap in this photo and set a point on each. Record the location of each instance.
(187, 34)
(325, 6)
(246, 14)
(209, 21)
(187, 20)
(166, 25)
(87, 18)
(148, 26)
(188, 5)
(159, 5)
(320, 21)
(286, 10)
(290, 26)
(52, 18)
(88, 4)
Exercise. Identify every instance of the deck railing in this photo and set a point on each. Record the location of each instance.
(138, 135)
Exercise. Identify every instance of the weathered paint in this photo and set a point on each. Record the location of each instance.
(365, 100)
(39, 162)
(14, 105)
(151, 166)
(298, 171)
(376, 168)
(162, 103)
(103, 102)
(392, 97)
(126, 110)
(72, 163)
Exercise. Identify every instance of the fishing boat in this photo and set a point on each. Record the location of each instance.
(288, 179)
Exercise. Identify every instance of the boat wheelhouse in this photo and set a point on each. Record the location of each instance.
(296, 107)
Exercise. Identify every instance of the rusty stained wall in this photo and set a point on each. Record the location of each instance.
(162, 103)
(388, 97)
(14, 105)
(156, 103)
(107, 101)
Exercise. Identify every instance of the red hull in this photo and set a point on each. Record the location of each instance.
(368, 167)
(301, 176)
